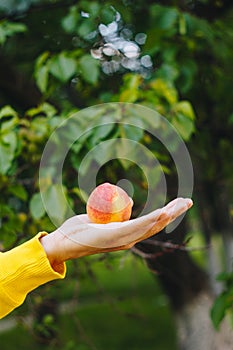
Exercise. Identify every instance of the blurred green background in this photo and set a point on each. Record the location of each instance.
(119, 305)
(174, 57)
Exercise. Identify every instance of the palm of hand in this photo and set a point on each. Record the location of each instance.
(97, 238)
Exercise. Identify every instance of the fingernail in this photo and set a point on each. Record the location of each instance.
(190, 203)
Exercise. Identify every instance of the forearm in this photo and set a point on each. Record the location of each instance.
(23, 269)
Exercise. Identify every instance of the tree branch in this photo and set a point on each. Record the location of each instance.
(167, 247)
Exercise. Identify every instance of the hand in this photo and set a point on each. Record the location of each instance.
(78, 237)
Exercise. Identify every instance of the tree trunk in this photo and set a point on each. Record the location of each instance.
(189, 290)
(195, 330)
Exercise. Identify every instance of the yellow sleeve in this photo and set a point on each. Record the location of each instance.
(23, 269)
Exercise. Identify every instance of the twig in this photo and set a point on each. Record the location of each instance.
(174, 246)
(145, 255)
(168, 247)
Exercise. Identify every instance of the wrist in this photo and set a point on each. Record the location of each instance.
(51, 246)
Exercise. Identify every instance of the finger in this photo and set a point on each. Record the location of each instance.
(167, 214)
(172, 210)
(177, 207)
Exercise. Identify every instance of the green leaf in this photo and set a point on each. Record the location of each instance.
(132, 81)
(187, 72)
(9, 125)
(85, 28)
(226, 277)
(8, 29)
(129, 95)
(218, 310)
(185, 108)
(101, 132)
(165, 17)
(42, 71)
(165, 90)
(125, 151)
(69, 22)
(168, 72)
(182, 25)
(84, 168)
(63, 67)
(18, 191)
(105, 151)
(41, 60)
(146, 119)
(6, 158)
(40, 126)
(184, 126)
(3, 35)
(8, 144)
(55, 203)
(153, 175)
(8, 237)
(132, 132)
(36, 206)
(44, 108)
(89, 69)
(125, 163)
(230, 120)
(10, 139)
(80, 193)
(42, 77)
(13, 27)
(7, 111)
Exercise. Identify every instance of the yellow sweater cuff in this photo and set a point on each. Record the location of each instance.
(23, 269)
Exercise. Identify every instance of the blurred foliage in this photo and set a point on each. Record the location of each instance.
(119, 295)
(224, 302)
(46, 45)
(8, 29)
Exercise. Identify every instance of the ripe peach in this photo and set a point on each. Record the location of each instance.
(109, 203)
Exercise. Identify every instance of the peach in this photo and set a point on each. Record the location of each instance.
(108, 203)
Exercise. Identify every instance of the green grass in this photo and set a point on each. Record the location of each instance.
(119, 308)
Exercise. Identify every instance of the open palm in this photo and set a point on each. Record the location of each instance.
(81, 237)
